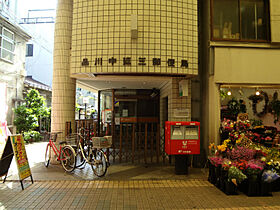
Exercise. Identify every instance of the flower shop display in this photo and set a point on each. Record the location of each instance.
(257, 133)
(242, 163)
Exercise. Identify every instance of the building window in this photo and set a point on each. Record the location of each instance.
(7, 44)
(29, 50)
(245, 20)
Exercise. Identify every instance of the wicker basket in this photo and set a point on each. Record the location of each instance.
(102, 142)
(73, 139)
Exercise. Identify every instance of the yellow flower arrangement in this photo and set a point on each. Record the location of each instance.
(226, 141)
(212, 148)
(222, 148)
(259, 126)
(238, 141)
(263, 159)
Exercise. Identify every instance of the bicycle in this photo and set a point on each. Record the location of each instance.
(66, 154)
(86, 153)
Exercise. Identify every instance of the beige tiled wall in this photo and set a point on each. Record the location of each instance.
(167, 29)
(175, 102)
(165, 91)
(180, 103)
(64, 87)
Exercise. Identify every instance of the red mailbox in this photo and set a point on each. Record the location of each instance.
(182, 138)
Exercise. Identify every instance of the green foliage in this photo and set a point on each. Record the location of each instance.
(25, 119)
(255, 122)
(235, 173)
(77, 107)
(28, 114)
(235, 107)
(35, 102)
(223, 94)
(34, 135)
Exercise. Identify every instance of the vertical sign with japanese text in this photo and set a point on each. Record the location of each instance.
(20, 156)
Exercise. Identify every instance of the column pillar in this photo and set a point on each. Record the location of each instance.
(63, 87)
(214, 114)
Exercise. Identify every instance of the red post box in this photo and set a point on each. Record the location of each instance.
(182, 138)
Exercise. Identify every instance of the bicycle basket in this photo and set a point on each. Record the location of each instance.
(72, 139)
(102, 142)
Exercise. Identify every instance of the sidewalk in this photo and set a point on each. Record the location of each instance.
(125, 186)
(141, 194)
(125, 171)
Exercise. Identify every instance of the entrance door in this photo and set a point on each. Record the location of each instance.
(132, 118)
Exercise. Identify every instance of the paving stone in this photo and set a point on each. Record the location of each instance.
(145, 194)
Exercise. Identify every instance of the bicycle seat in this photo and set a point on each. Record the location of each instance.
(62, 142)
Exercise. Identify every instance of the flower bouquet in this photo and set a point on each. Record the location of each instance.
(254, 169)
(236, 175)
(241, 153)
(268, 177)
(252, 186)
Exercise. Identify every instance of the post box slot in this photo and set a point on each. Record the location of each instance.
(177, 132)
(191, 132)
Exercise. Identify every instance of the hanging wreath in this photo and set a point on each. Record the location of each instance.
(256, 99)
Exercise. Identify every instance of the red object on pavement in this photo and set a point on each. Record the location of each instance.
(182, 138)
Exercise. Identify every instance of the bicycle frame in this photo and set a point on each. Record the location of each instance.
(82, 150)
(90, 150)
(56, 151)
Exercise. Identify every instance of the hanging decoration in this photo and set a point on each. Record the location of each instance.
(257, 99)
(275, 107)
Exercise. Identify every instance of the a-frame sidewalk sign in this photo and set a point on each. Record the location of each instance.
(15, 147)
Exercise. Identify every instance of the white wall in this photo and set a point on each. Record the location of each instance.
(40, 66)
(247, 65)
(13, 75)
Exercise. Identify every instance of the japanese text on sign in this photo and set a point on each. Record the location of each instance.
(21, 157)
(141, 61)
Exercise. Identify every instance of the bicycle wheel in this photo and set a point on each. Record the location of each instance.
(68, 158)
(99, 165)
(48, 155)
(80, 161)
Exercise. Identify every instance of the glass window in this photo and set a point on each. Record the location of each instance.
(7, 55)
(253, 20)
(240, 20)
(29, 50)
(8, 34)
(225, 19)
(7, 44)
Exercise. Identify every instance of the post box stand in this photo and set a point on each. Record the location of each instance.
(181, 164)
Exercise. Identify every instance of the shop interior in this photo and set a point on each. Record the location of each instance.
(260, 105)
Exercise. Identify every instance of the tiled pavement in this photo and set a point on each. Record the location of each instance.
(125, 186)
(137, 194)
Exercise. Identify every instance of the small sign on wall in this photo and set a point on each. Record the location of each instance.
(183, 88)
(181, 113)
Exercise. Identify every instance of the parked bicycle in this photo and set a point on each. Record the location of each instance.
(65, 154)
(87, 152)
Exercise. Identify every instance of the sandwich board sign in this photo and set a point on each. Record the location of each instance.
(16, 142)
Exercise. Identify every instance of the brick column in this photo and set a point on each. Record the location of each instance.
(63, 87)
